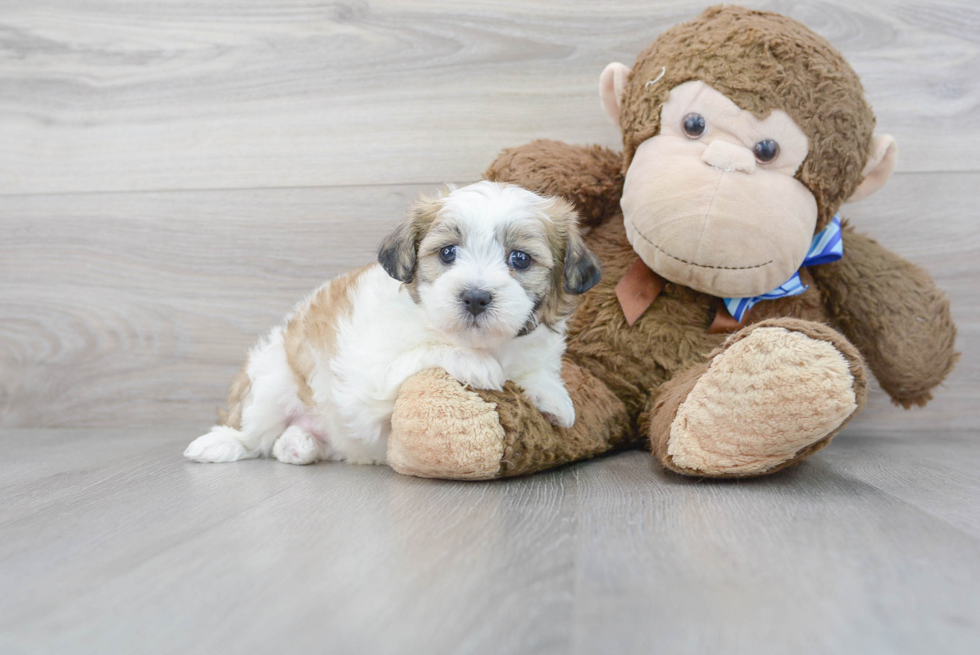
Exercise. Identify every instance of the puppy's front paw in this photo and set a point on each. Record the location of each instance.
(552, 399)
(221, 444)
(477, 370)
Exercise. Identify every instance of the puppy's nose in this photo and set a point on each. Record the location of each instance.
(476, 300)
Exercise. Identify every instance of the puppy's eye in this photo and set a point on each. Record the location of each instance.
(694, 125)
(448, 254)
(766, 150)
(519, 260)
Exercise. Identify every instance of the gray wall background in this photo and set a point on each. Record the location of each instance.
(174, 176)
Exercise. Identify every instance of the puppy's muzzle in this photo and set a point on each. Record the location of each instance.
(476, 300)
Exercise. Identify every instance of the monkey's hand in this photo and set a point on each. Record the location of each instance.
(894, 313)
(590, 177)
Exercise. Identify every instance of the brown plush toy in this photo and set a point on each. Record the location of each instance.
(727, 334)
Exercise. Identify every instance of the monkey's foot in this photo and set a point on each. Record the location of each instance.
(440, 429)
(773, 394)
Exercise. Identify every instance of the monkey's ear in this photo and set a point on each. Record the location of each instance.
(612, 84)
(880, 166)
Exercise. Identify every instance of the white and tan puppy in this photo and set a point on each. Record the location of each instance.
(479, 282)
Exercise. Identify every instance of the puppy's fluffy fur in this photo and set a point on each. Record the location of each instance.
(448, 292)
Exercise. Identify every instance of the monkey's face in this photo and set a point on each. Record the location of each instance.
(711, 201)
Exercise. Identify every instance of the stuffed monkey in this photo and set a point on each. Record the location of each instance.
(738, 314)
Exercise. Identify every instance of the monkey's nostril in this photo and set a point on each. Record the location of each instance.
(476, 300)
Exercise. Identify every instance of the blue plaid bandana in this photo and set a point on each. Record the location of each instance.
(826, 247)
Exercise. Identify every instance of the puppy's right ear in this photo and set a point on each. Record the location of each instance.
(399, 251)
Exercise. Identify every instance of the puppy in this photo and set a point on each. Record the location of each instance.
(479, 282)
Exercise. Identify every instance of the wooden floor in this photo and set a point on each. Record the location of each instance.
(113, 544)
(175, 175)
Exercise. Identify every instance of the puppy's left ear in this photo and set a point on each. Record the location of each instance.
(582, 268)
(399, 251)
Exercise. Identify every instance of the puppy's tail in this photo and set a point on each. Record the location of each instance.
(238, 395)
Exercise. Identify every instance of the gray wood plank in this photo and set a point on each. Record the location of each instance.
(137, 309)
(812, 561)
(861, 549)
(123, 308)
(114, 95)
(180, 557)
(40, 467)
(915, 468)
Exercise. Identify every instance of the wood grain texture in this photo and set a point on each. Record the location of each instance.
(137, 309)
(122, 96)
(810, 561)
(174, 176)
(114, 544)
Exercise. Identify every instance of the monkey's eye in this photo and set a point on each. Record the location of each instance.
(766, 150)
(448, 254)
(694, 125)
(519, 260)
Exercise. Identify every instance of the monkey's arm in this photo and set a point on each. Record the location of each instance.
(588, 176)
(441, 429)
(894, 313)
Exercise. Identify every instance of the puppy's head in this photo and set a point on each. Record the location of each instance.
(489, 262)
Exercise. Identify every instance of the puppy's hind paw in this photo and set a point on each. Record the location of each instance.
(221, 444)
(296, 446)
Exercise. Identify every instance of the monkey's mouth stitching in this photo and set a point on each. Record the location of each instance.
(684, 261)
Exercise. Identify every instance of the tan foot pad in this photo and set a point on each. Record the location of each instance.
(762, 400)
(440, 429)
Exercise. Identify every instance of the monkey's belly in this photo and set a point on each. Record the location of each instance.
(634, 360)
(671, 335)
